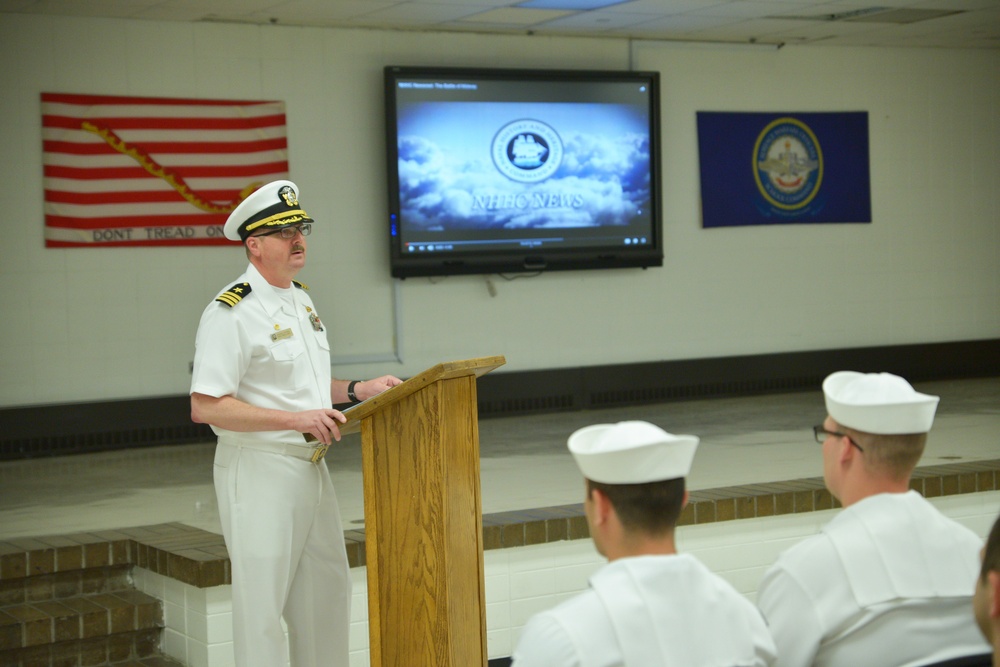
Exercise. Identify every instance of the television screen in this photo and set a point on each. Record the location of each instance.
(496, 171)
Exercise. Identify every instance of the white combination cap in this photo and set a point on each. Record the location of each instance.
(271, 206)
(880, 403)
(631, 452)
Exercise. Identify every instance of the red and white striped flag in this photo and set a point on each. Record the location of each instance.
(152, 171)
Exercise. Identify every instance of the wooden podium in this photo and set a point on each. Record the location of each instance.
(423, 518)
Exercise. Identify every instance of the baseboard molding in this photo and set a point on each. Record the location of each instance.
(593, 387)
(72, 428)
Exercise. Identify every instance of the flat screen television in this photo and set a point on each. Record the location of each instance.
(508, 171)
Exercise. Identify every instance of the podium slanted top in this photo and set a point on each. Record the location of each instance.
(444, 371)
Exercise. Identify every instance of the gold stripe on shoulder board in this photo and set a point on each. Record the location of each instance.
(234, 294)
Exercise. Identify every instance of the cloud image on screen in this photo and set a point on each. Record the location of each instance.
(449, 178)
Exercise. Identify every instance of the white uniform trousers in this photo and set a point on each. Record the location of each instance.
(282, 527)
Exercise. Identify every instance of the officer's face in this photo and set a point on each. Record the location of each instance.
(281, 254)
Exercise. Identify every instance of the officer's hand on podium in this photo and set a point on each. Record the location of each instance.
(368, 388)
(321, 424)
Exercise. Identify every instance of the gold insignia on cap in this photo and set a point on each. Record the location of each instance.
(288, 194)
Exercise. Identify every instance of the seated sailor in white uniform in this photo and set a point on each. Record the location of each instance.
(887, 581)
(986, 599)
(649, 606)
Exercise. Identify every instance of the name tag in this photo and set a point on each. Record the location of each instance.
(281, 335)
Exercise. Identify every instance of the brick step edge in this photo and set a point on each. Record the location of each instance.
(139, 647)
(44, 587)
(78, 619)
(189, 555)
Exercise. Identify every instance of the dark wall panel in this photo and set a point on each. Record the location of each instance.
(53, 430)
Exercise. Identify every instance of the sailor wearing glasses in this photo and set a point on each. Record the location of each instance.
(262, 380)
(887, 581)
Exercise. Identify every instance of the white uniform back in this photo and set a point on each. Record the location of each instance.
(888, 582)
(649, 610)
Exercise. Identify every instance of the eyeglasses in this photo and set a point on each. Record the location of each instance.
(821, 435)
(289, 232)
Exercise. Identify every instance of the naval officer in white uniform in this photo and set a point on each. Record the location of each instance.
(649, 606)
(886, 583)
(262, 379)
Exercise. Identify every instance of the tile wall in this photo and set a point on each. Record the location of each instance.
(523, 580)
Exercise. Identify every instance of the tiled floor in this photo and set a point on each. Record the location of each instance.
(524, 461)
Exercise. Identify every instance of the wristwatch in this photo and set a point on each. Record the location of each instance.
(350, 392)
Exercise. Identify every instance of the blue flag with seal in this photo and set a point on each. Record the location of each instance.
(780, 168)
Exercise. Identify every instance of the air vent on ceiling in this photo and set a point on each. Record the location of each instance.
(904, 15)
(877, 15)
(215, 18)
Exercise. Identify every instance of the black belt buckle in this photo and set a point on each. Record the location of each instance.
(319, 453)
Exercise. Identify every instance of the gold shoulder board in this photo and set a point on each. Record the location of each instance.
(234, 294)
(300, 285)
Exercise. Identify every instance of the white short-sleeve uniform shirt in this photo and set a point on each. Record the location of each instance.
(268, 349)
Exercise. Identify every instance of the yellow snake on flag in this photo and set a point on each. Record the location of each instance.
(154, 168)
